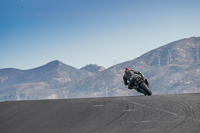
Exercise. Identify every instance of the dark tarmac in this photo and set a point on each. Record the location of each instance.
(137, 114)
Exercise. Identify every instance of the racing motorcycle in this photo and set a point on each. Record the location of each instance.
(141, 85)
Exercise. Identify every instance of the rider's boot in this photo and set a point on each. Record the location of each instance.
(130, 87)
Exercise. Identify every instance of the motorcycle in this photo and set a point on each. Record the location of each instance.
(141, 85)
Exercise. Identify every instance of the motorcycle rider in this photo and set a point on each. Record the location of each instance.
(130, 76)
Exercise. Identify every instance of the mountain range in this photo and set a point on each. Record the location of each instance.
(172, 68)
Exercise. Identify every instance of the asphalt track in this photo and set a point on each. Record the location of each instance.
(138, 114)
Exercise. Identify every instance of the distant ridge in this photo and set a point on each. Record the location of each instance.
(37, 83)
(170, 69)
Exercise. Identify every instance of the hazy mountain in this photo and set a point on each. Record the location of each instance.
(94, 68)
(51, 73)
(172, 68)
(38, 80)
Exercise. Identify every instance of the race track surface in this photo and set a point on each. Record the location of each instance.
(138, 114)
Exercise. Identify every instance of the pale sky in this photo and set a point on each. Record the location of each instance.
(82, 32)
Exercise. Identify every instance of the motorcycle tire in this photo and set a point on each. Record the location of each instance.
(146, 88)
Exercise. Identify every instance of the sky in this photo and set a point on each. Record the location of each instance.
(81, 32)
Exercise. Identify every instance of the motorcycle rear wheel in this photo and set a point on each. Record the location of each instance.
(146, 88)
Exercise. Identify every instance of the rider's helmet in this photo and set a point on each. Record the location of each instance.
(127, 68)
